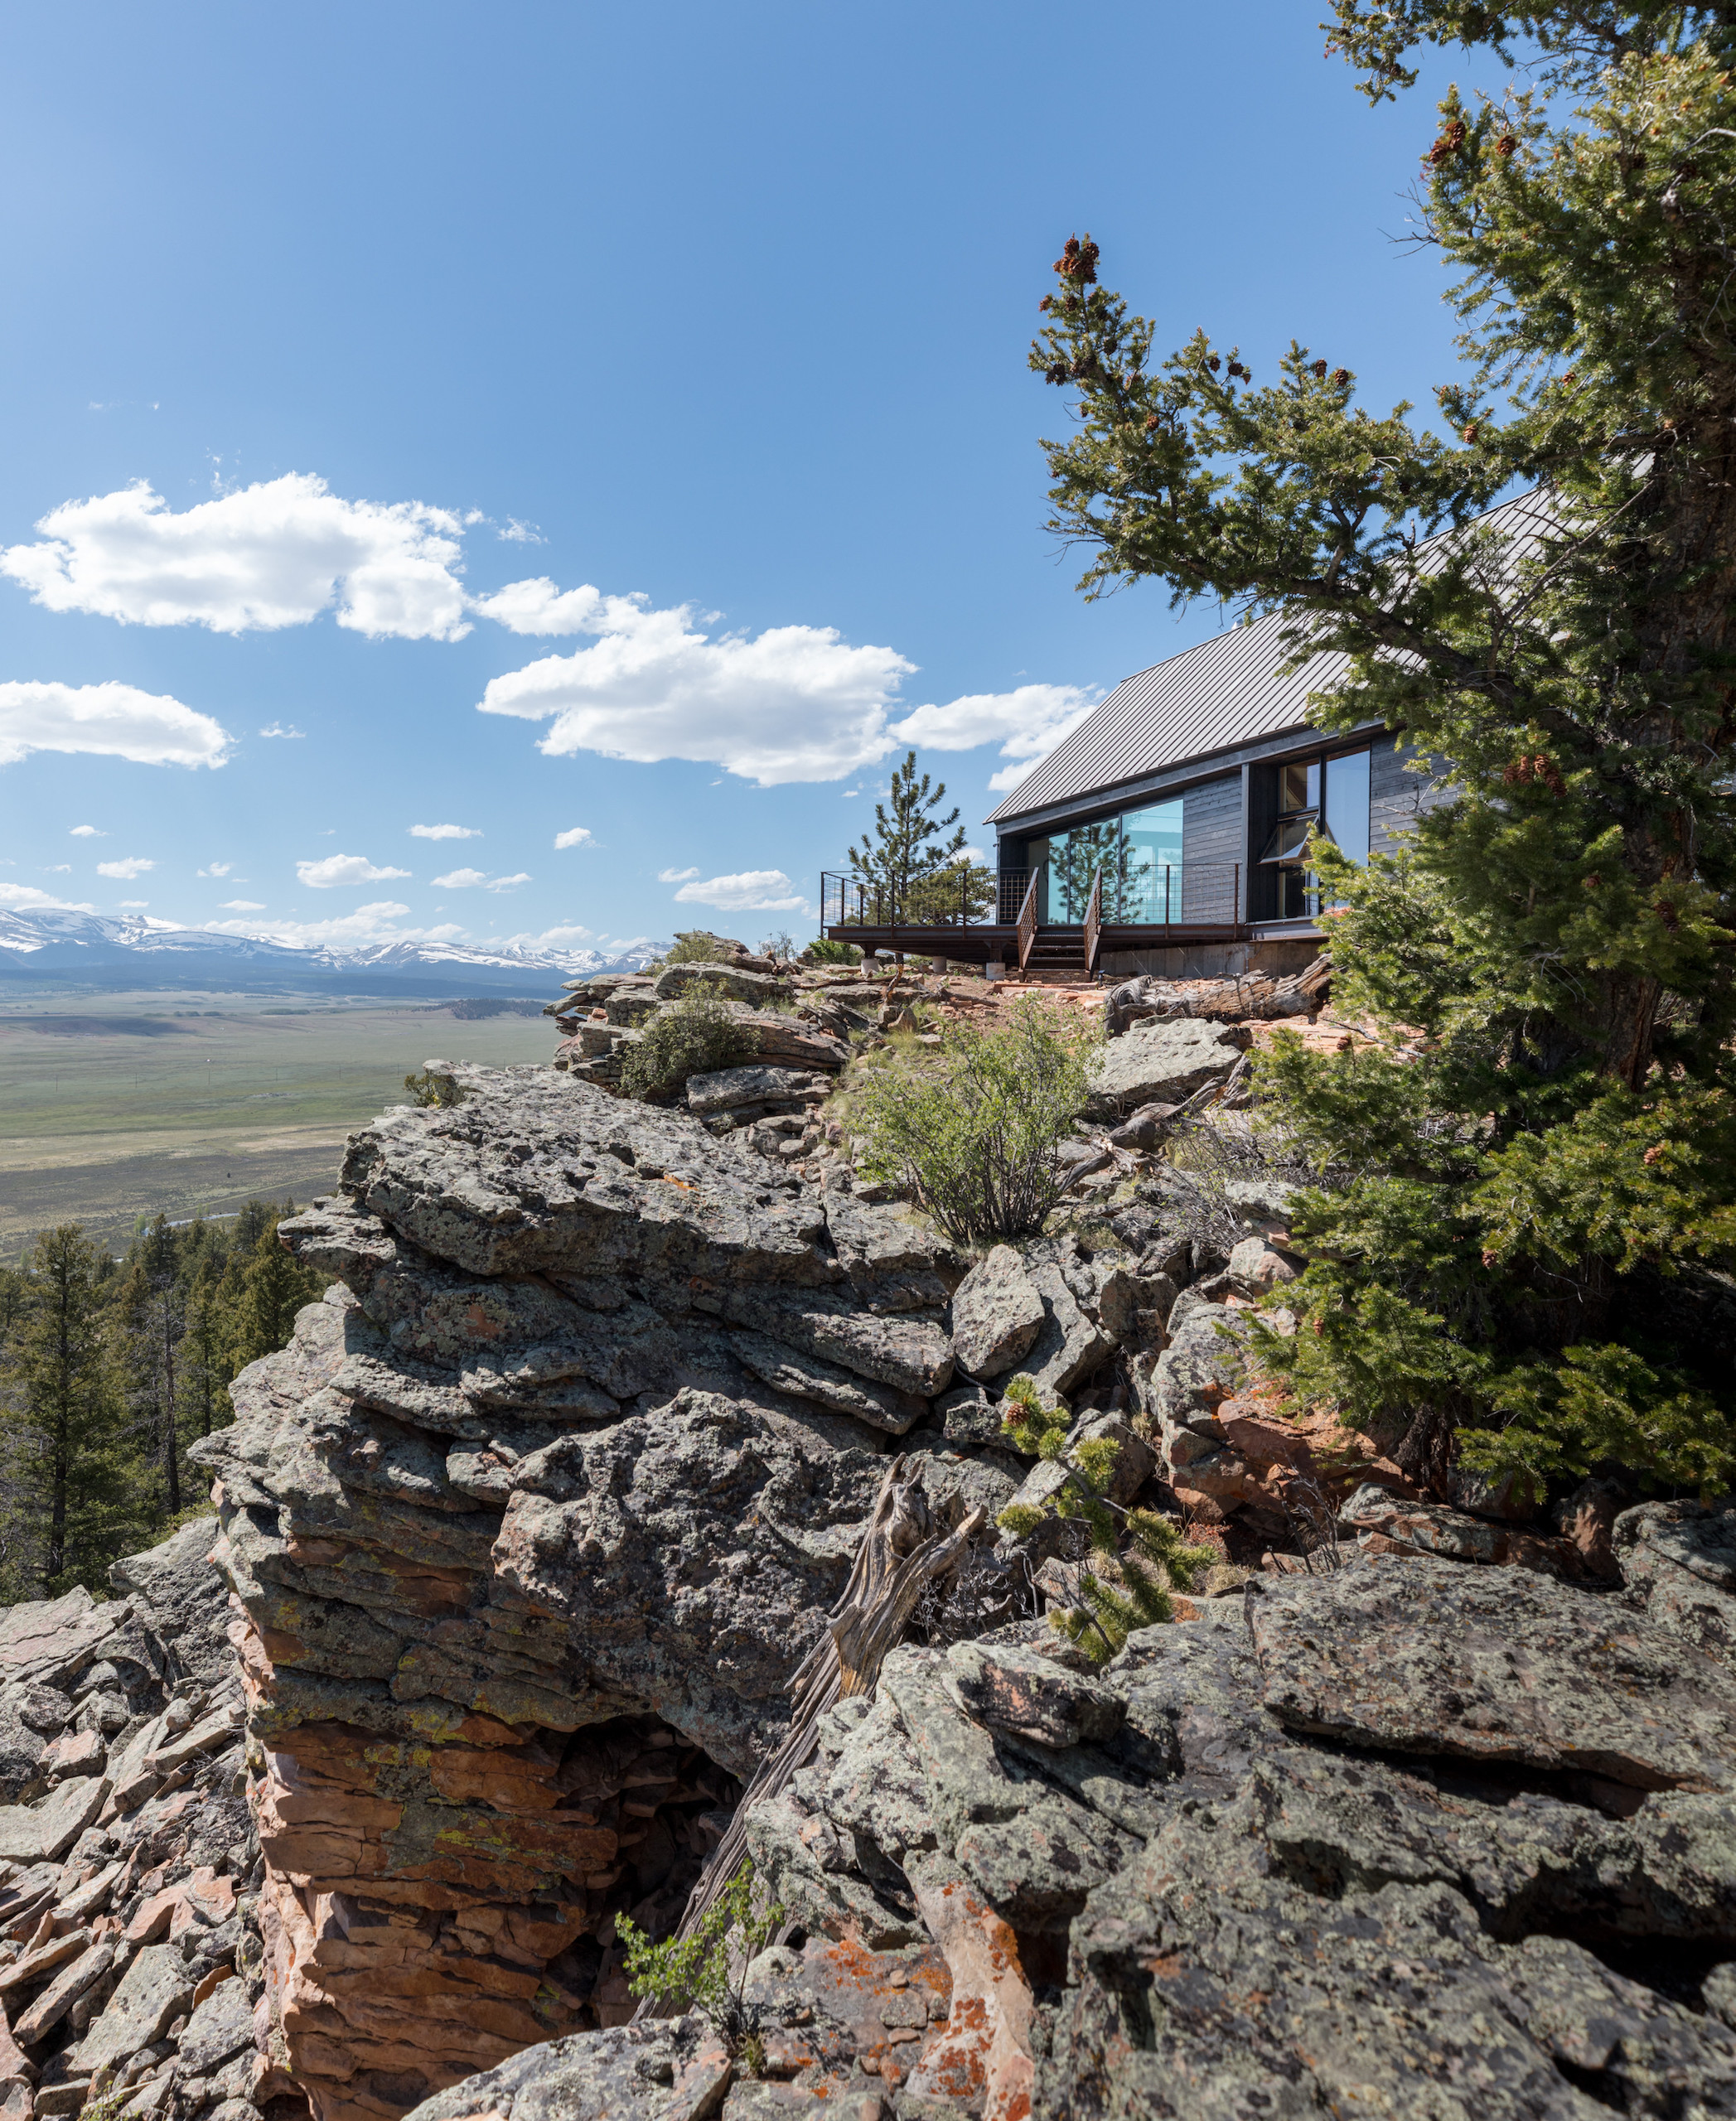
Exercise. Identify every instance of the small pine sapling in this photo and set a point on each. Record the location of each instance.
(1157, 1560)
(706, 1970)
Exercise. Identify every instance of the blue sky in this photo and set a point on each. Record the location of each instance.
(700, 330)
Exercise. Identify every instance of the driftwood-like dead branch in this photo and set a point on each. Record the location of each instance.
(902, 1551)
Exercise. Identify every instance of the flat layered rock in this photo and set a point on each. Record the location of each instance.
(1162, 1062)
(531, 1171)
(1429, 1657)
(724, 1089)
(997, 1315)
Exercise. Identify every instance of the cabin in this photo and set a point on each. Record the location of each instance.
(1166, 834)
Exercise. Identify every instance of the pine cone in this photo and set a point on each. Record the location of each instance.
(1319, 368)
(1341, 376)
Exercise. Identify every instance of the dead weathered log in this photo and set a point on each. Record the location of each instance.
(902, 1551)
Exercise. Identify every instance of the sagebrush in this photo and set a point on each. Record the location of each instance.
(694, 1036)
(972, 1136)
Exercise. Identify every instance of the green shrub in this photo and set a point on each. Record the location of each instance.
(693, 946)
(1159, 1560)
(695, 1972)
(973, 1138)
(694, 1037)
(433, 1087)
(824, 951)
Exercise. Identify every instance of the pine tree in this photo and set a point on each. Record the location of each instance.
(273, 1288)
(909, 845)
(75, 1510)
(1524, 1227)
(1141, 1555)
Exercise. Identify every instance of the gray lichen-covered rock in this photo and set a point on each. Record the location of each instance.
(997, 1315)
(668, 2069)
(177, 1593)
(1678, 1560)
(1162, 1062)
(1429, 1657)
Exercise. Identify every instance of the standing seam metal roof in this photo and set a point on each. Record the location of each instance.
(1230, 690)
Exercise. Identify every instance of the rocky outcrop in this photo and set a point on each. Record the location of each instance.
(130, 1963)
(1410, 1836)
(527, 1530)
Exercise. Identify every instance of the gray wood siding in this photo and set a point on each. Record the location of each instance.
(1396, 797)
(1211, 834)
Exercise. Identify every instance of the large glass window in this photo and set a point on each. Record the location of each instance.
(1139, 853)
(1329, 795)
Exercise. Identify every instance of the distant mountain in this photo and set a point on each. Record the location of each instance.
(116, 951)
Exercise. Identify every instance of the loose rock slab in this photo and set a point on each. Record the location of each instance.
(1162, 1062)
(1433, 1657)
(997, 1315)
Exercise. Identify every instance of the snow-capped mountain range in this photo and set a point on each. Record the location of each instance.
(127, 951)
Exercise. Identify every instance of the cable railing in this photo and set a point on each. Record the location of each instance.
(1169, 895)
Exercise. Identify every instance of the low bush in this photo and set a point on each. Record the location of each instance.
(694, 1037)
(822, 950)
(972, 1137)
(433, 1087)
(1157, 1560)
(694, 946)
(696, 1971)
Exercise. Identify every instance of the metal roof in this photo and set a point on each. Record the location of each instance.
(1233, 689)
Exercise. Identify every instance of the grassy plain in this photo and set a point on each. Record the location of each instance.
(115, 1106)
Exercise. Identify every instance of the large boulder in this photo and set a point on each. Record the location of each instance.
(1162, 1062)
(997, 1315)
(759, 989)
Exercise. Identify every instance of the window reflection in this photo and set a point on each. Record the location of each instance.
(1329, 796)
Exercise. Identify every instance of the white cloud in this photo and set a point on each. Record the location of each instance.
(793, 703)
(578, 836)
(275, 554)
(538, 606)
(88, 832)
(218, 869)
(133, 905)
(114, 720)
(374, 922)
(26, 898)
(1027, 723)
(51, 868)
(444, 831)
(520, 534)
(752, 891)
(244, 905)
(675, 875)
(460, 879)
(336, 869)
(134, 865)
(285, 729)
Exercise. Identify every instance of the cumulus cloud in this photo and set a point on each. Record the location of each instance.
(285, 729)
(792, 703)
(218, 869)
(88, 832)
(133, 905)
(578, 836)
(26, 898)
(378, 922)
(49, 868)
(675, 875)
(124, 872)
(266, 556)
(244, 905)
(114, 720)
(459, 879)
(752, 891)
(520, 534)
(1027, 723)
(335, 869)
(445, 832)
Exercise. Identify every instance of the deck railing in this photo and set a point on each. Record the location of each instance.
(1093, 923)
(1028, 919)
(1178, 894)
